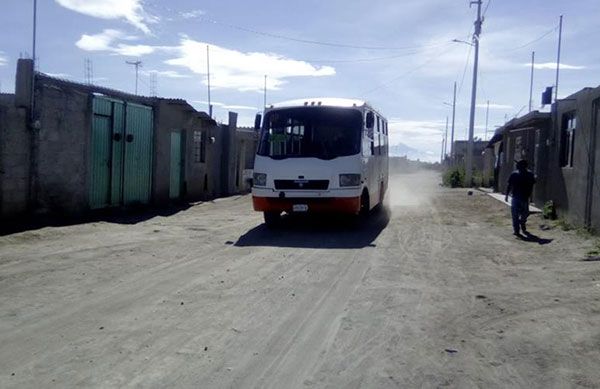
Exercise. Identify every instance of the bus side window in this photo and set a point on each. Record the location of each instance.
(387, 139)
(378, 142)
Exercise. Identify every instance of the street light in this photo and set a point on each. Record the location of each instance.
(461, 41)
(453, 105)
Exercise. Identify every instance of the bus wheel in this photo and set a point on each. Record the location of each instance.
(272, 219)
(364, 204)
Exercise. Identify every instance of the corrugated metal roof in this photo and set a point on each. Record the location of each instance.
(526, 120)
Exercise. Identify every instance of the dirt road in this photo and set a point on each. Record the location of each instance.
(435, 293)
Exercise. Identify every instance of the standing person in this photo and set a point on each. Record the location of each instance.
(520, 184)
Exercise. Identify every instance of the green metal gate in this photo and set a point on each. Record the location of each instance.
(137, 180)
(100, 166)
(176, 165)
(121, 153)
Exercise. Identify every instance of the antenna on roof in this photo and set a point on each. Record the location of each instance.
(153, 84)
(208, 79)
(88, 71)
(137, 65)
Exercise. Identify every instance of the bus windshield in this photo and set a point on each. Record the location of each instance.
(319, 132)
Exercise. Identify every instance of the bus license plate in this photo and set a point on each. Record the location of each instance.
(300, 208)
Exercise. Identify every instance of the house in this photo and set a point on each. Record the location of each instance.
(522, 138)
(87, 147)
(572, 181)
(562, 149)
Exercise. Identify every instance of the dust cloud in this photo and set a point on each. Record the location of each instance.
(412, 189)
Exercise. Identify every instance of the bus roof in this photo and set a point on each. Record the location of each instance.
(320, 101)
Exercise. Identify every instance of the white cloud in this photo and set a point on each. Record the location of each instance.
(243, 71)
(552, 66)
(133, 50)
(419, 134)
(130, 10)
(166, 73)
(244, 107)
(99, 42)
(425, 136)
(192, 14)
(227, 106)
(495, 106)
(105, 40)
(3, 59)
(59, 75)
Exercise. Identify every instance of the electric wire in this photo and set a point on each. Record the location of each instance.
(418, 67)
(373, 59)
(464, 73)
(486, 8)
(553, 29)
(314, 42)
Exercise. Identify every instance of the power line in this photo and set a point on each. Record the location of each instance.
(372, 59)
(467, 62)
(553, 29)
(486, 8)
(309, 41)
(384, 84)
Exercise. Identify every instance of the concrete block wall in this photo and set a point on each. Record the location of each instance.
(575, 189)
(45, 166)
(62, 141)
(14, 158)
(246, 144)
(197, 173)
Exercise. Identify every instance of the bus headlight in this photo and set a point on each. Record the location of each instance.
(349, 179)
(259, 179)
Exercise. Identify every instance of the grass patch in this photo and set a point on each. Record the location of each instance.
(564, 225)
(549, 210)
(454, 177)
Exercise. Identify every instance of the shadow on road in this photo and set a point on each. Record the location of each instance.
(117, 216)
(529, 237)
(319, 231)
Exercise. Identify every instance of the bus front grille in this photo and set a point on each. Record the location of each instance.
(301, 184)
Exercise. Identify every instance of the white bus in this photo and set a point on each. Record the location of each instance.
(320, 155)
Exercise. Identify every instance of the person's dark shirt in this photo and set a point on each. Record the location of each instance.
(521, 184)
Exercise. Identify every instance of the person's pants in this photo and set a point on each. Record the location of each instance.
(520, 211)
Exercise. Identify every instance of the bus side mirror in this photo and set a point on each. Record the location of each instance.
(370, 121)
(257, 120)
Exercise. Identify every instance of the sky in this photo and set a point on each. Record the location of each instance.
(398, 55)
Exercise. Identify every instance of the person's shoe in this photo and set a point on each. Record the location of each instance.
(523, 228)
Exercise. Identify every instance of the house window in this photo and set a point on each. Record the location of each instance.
(199, 146)
(567, 146)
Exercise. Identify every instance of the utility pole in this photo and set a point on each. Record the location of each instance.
(558, 57)
(446, 139)
(531, 80)
(453, 117)
(34, 38)
(265, 94)
(208, 79)
(469, 159)
(137, 65)
(33, 125)
(442, 152)
(487, 116)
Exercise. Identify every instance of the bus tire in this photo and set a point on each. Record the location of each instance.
(364, 204)
(272, 219)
